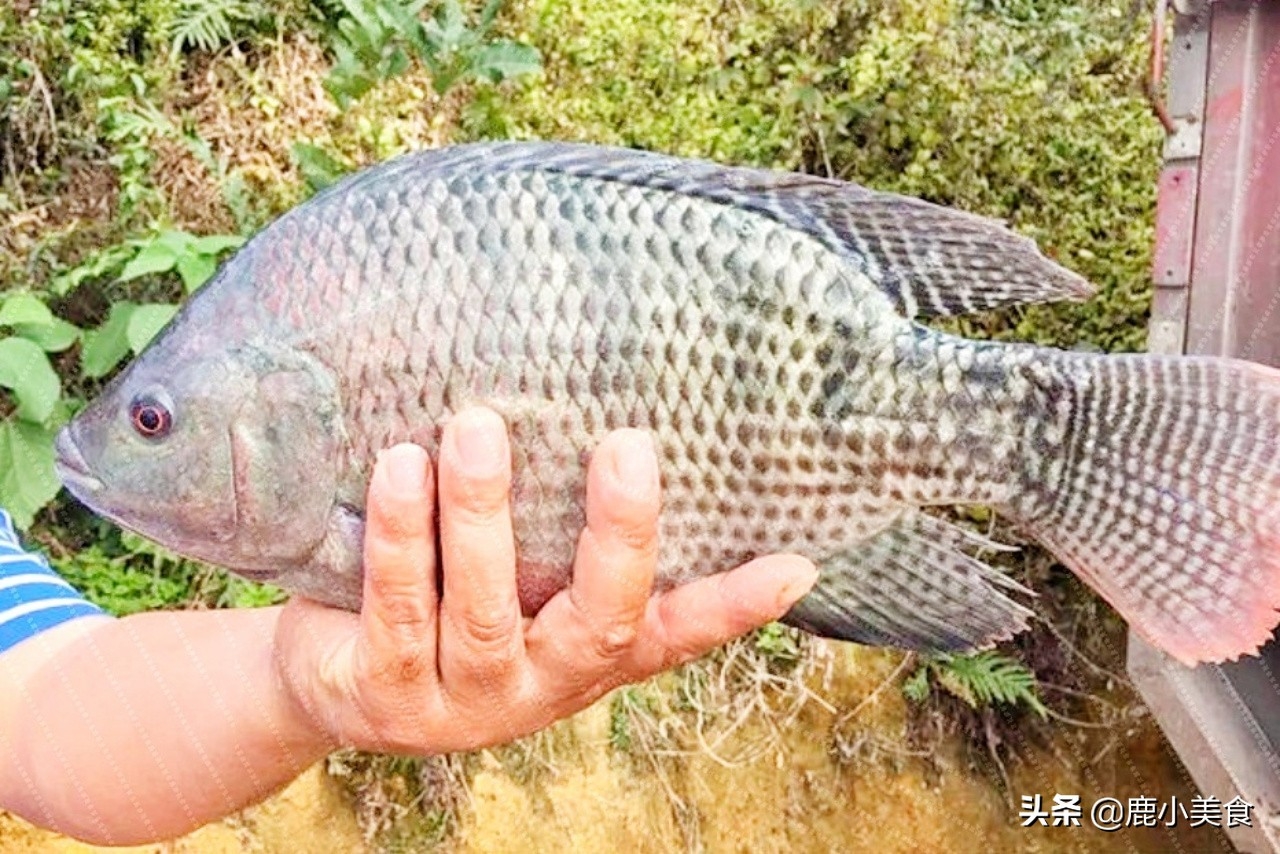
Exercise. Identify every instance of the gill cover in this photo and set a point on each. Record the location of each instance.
(285, 442)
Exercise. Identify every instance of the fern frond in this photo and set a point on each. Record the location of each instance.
(987, 677)
(207, 24)
(916, 686)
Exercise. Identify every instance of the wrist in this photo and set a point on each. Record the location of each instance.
(311, 702)
(301, 711)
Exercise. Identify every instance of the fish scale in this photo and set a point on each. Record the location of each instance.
(583, 224)
(766, 329)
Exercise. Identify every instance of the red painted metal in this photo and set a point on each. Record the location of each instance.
(1175, 225)
(1217, 275)
(1235, 278)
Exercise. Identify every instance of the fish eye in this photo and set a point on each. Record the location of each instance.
(150, 418)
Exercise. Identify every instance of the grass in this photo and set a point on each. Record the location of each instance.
(404, 803)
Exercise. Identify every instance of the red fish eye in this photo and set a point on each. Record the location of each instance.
(150, 418)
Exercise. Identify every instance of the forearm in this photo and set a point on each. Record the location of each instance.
(149, 726)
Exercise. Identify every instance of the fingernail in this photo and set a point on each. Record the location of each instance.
(479, 439)
(406, 468)
(634, 462)
(800, 576)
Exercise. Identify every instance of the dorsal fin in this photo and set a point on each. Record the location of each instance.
(931, 260)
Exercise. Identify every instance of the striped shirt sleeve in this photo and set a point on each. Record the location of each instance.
(32, 596)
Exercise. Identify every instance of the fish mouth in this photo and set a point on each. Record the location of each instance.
(71, 466)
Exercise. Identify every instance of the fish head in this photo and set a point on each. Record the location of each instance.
(227, 454)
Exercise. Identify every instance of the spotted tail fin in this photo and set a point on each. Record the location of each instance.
(1167, 497)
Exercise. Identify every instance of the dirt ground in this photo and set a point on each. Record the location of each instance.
(589, 796)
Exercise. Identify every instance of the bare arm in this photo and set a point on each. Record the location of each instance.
(139, 729)
(146, 727)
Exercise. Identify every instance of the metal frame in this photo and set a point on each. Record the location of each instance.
(1217, 291)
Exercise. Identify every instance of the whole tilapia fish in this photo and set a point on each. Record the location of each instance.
(763, 326)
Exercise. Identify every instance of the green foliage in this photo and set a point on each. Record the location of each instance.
(29, 332)
(372, 43)
(192, 257)
(230, 181)
(40, 403)
(456, 53)
(961, 103)
(27, 477)
(779, 644)
(115, 579)
(981, 679)
(129, 326)
(208, 24)
(375, 40)
(131, 124)
(25, 369)
(319, 168)
(624, 705)
(125, 574)
(916, 686)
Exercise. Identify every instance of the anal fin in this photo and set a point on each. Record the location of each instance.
(912, 587)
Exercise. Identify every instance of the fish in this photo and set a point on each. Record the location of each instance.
(769, 329)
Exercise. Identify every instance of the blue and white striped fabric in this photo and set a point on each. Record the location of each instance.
(32, 596)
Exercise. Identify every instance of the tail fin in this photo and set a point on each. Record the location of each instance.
(1168, 499)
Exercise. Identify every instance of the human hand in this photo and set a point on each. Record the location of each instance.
(424, 671)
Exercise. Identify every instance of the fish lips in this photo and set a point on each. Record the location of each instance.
(71, 467)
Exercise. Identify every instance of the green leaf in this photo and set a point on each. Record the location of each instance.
(319, 169)
(98, 265)
(447, 29)
(53, 337)
(988, 677)
(196, 269)
(504, 60)
(25, 370)
(105, 346)
(155, 256)
(215, 244)
(28, 480)
(916, 686)
(24, 309)
(248, 594)
(145, 321)
(487, 15)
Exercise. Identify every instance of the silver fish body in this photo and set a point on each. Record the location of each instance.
(763, 326)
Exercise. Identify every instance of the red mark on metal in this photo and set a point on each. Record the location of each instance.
(1175, 225)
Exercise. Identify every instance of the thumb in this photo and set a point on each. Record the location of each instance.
(695, 618)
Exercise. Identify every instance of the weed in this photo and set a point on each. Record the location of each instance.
(209, 24)
(375, 40)
(624, 705)
(319, 168)
(404, 803)
(779, 644)
(29, 333)
(979, 679)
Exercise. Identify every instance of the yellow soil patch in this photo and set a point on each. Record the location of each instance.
(310, 816)
(795, 798)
